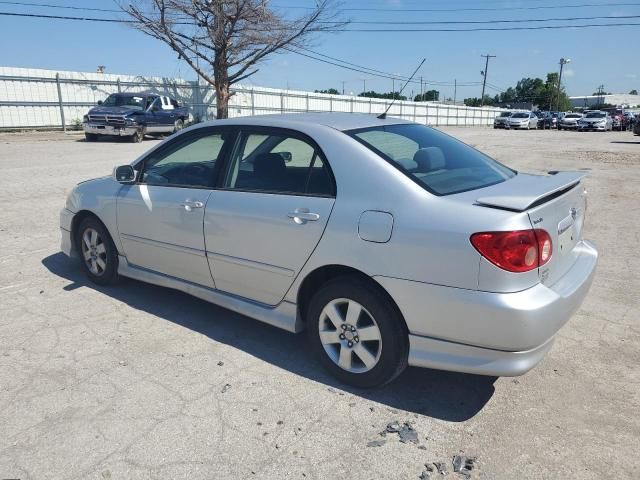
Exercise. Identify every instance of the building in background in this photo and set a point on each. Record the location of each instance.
(621, 99)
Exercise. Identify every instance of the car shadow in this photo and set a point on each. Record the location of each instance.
(630, 143)
(117, 139)
(449, 396)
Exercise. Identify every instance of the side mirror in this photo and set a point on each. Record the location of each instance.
(124, 174)
(99, 102)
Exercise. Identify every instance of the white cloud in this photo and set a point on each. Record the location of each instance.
(569, 73)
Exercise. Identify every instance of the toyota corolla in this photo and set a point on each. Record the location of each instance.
(389, 242)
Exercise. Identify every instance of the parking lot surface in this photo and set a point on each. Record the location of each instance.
(140, 382)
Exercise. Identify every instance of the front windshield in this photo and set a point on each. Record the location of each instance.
(115, 100)
(572, 115)
(521, 115)
(596, 115)
(439, 163)
(505, 114)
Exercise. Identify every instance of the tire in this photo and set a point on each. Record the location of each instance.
(91, 137)
(373, 362)
(98, 254)
(178, 125)
(138, 136)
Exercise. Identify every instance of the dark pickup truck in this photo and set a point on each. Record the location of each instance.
(134, 115)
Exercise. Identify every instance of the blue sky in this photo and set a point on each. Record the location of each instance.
(607, 56)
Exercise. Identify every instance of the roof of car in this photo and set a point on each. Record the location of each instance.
(336, 120)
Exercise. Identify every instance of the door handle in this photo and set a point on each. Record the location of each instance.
(189, 205)
(303, 215)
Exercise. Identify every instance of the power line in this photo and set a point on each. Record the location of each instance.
(471, 9)
(473, 22)
(67, 7)
(485, 29)
(543, 27)
(399, 77)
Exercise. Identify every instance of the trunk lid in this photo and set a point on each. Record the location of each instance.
(555, 203)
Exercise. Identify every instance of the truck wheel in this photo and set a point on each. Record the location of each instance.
(90, 137)
(179, 125)
(138, 136)
(357, 333)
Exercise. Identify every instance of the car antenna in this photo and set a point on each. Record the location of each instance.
(382, 116)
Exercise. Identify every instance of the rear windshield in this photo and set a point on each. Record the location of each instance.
(596, 115)
(505, 114)
(520, 115)
(572, 115)
(439, 163)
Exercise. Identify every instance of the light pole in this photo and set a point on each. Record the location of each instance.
(563, 62)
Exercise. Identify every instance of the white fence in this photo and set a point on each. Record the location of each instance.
(47, 99)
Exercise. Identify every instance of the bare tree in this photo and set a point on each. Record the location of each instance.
(224, 40)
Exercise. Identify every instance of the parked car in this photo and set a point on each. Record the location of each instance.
(525, 120)
(569, 121)
(502, 120)
(302, 221)
(549, 120)
(629, 120)
(636, 124)
(619, 120)
(595, 121)
(134, 115)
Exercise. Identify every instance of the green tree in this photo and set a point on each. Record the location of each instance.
(475, 101)
(633, 92)
(428, 96)
(330, 91)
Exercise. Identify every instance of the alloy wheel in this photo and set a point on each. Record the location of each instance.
(94, 252)
(350, 335)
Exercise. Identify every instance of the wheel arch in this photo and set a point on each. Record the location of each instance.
(321, 275)
(77, 220)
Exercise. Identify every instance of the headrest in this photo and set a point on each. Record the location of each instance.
(429, 159)
(269, 165)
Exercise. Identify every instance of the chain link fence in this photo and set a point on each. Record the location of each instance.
(45, 99)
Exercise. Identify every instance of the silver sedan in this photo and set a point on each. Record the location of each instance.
(526, 120)
(389, 242)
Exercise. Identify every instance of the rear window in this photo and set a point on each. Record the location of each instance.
(520, 115)
(596, 115)
(439, 163)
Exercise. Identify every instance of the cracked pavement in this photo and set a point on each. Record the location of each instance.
(141, 382)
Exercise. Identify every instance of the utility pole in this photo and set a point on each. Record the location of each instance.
(364, 85)
(484, 76)
(600, 94)
(563, 62)
(393, 88)
(455, 90)
(343, 87)
(421, 91)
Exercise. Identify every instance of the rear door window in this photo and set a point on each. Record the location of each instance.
(276, 162)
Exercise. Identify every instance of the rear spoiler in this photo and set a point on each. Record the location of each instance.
(525, 191)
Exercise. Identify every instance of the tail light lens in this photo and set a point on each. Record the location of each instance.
(515, 251)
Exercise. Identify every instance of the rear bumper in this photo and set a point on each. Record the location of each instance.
(109, 130)
(488, 333)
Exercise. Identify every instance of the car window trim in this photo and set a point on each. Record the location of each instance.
(260, 129)
(187, 137)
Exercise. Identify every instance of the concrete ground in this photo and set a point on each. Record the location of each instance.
(140, 382)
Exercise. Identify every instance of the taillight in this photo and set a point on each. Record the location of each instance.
(515, 251)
